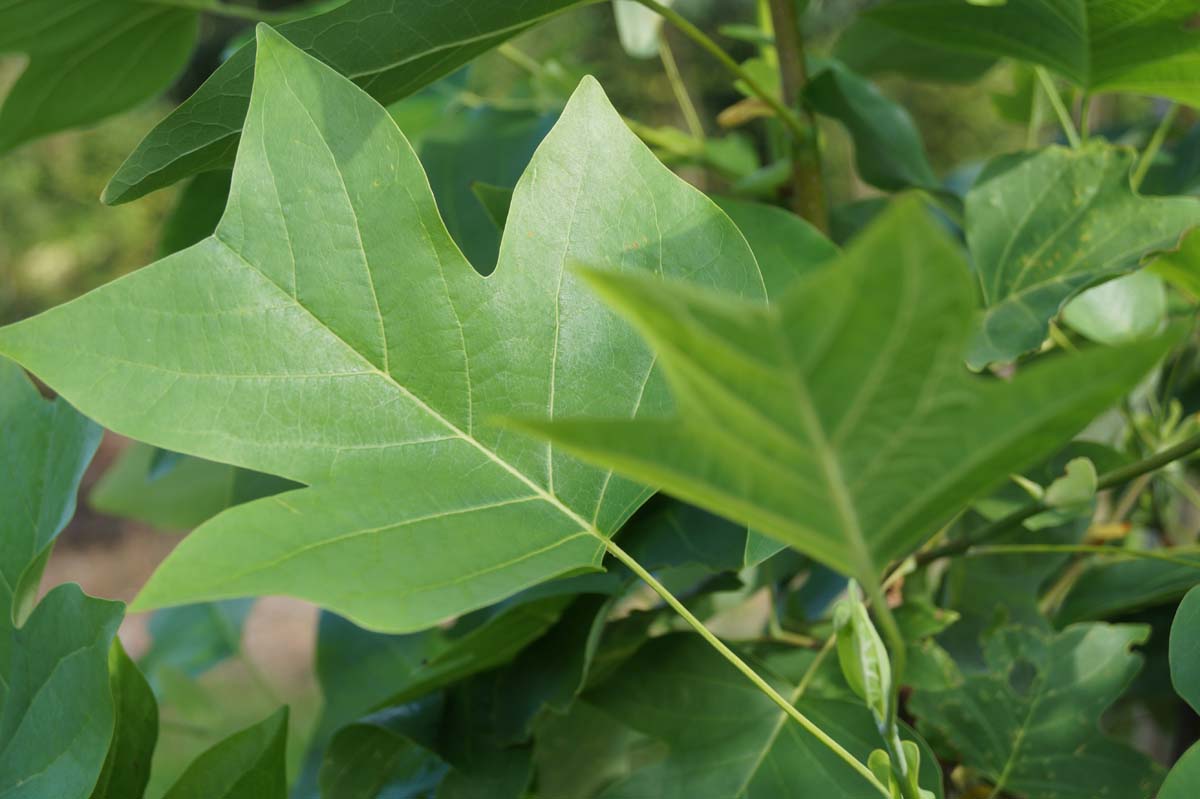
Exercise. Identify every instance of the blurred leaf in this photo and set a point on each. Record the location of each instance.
(57, 715)
(194, 638)
(87, 60)
(44, 448)
(1181, 267)
(1076, 487)
(1111, 588)
(785, 245)
(579, 753)
(1185, 649)
(870, 48)
(725, 739)
(638, 27)
(888, 150)
(247, 765)
(1183, 781)
(196, 212)
(1126, 309)
(1101, 45)
(189, 493)
(495, 201)
(390, 55)
(390, 748)
(135, 730)
(1043, 226)
(849, 428)
(1029, 723)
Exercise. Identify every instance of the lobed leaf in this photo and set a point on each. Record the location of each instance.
(841, 420)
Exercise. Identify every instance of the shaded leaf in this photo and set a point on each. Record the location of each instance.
(356, 297)
(389, 54)
(1029, 723)
(44, 448)
(869, 48)
(196, 212)
(247, 765)
(194, 638)
(87, 60)
(1043, 226)
(1108, 588)
(58, 709)
(1184, 778)
(1101, 45)
(849, 428)
(389, 747)
(785, 245)
(888, 150)
(135, 730)
(724, 738)
(1185, 649)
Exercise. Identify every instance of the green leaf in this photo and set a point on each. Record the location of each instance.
(1028, 723)
(577, 754)
(197, 211)
(87, 60)
(1109, 588)
(392, 746)
(135, 731)
(1183, 781)
(1101, 45)
(57, 716)
(347, 344)
(848, 426)
(1181, 267)
(495, 201)
(44, 448)
(1126, 309)
(194, 638)
(862, 655)
(247, 765)
(388, 53)
(1185, 649)
(1076, 487)
(871, 49)
(785, 245)
(1043, 226)
(189, 493)
(888, 150)
(724, 739)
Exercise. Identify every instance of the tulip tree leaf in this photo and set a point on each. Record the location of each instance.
(1028, 723)
(849, 428)
(1101, 45)
(1113, 587)
(725, 740)
(135, 731)
(249, 764)
(1043, 226)
(87, 60)
(389, 52)
(1185, 649)
(44, 448)
(194, 638)
(331, 285)
(58, 714)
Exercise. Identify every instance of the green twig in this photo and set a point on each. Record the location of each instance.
(679, 88)
(716, 643)
(1082, 549)
(785, 114)
(254, 14)
(1060, 110)
(1153, 146)
(1109, 480)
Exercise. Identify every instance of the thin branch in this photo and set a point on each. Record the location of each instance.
(1060, 110)
(716, 643)
(1109, 480)
(1082, 549)
(679, 88)
(1153, 146)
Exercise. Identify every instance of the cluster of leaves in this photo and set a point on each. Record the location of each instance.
(474, 449)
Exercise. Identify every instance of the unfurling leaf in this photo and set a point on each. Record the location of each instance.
(841, 420)
(863, 656)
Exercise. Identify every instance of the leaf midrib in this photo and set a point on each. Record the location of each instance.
(429, 410)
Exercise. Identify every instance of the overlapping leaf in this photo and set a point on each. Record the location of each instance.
(841, 420)
(1043, 226)
(1185, 649)
(249, 764)
(135, 730)
(390, 49)
(726, 740)
(87, 59)
(1028, 723)
(1101, 45)
(330, 332)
